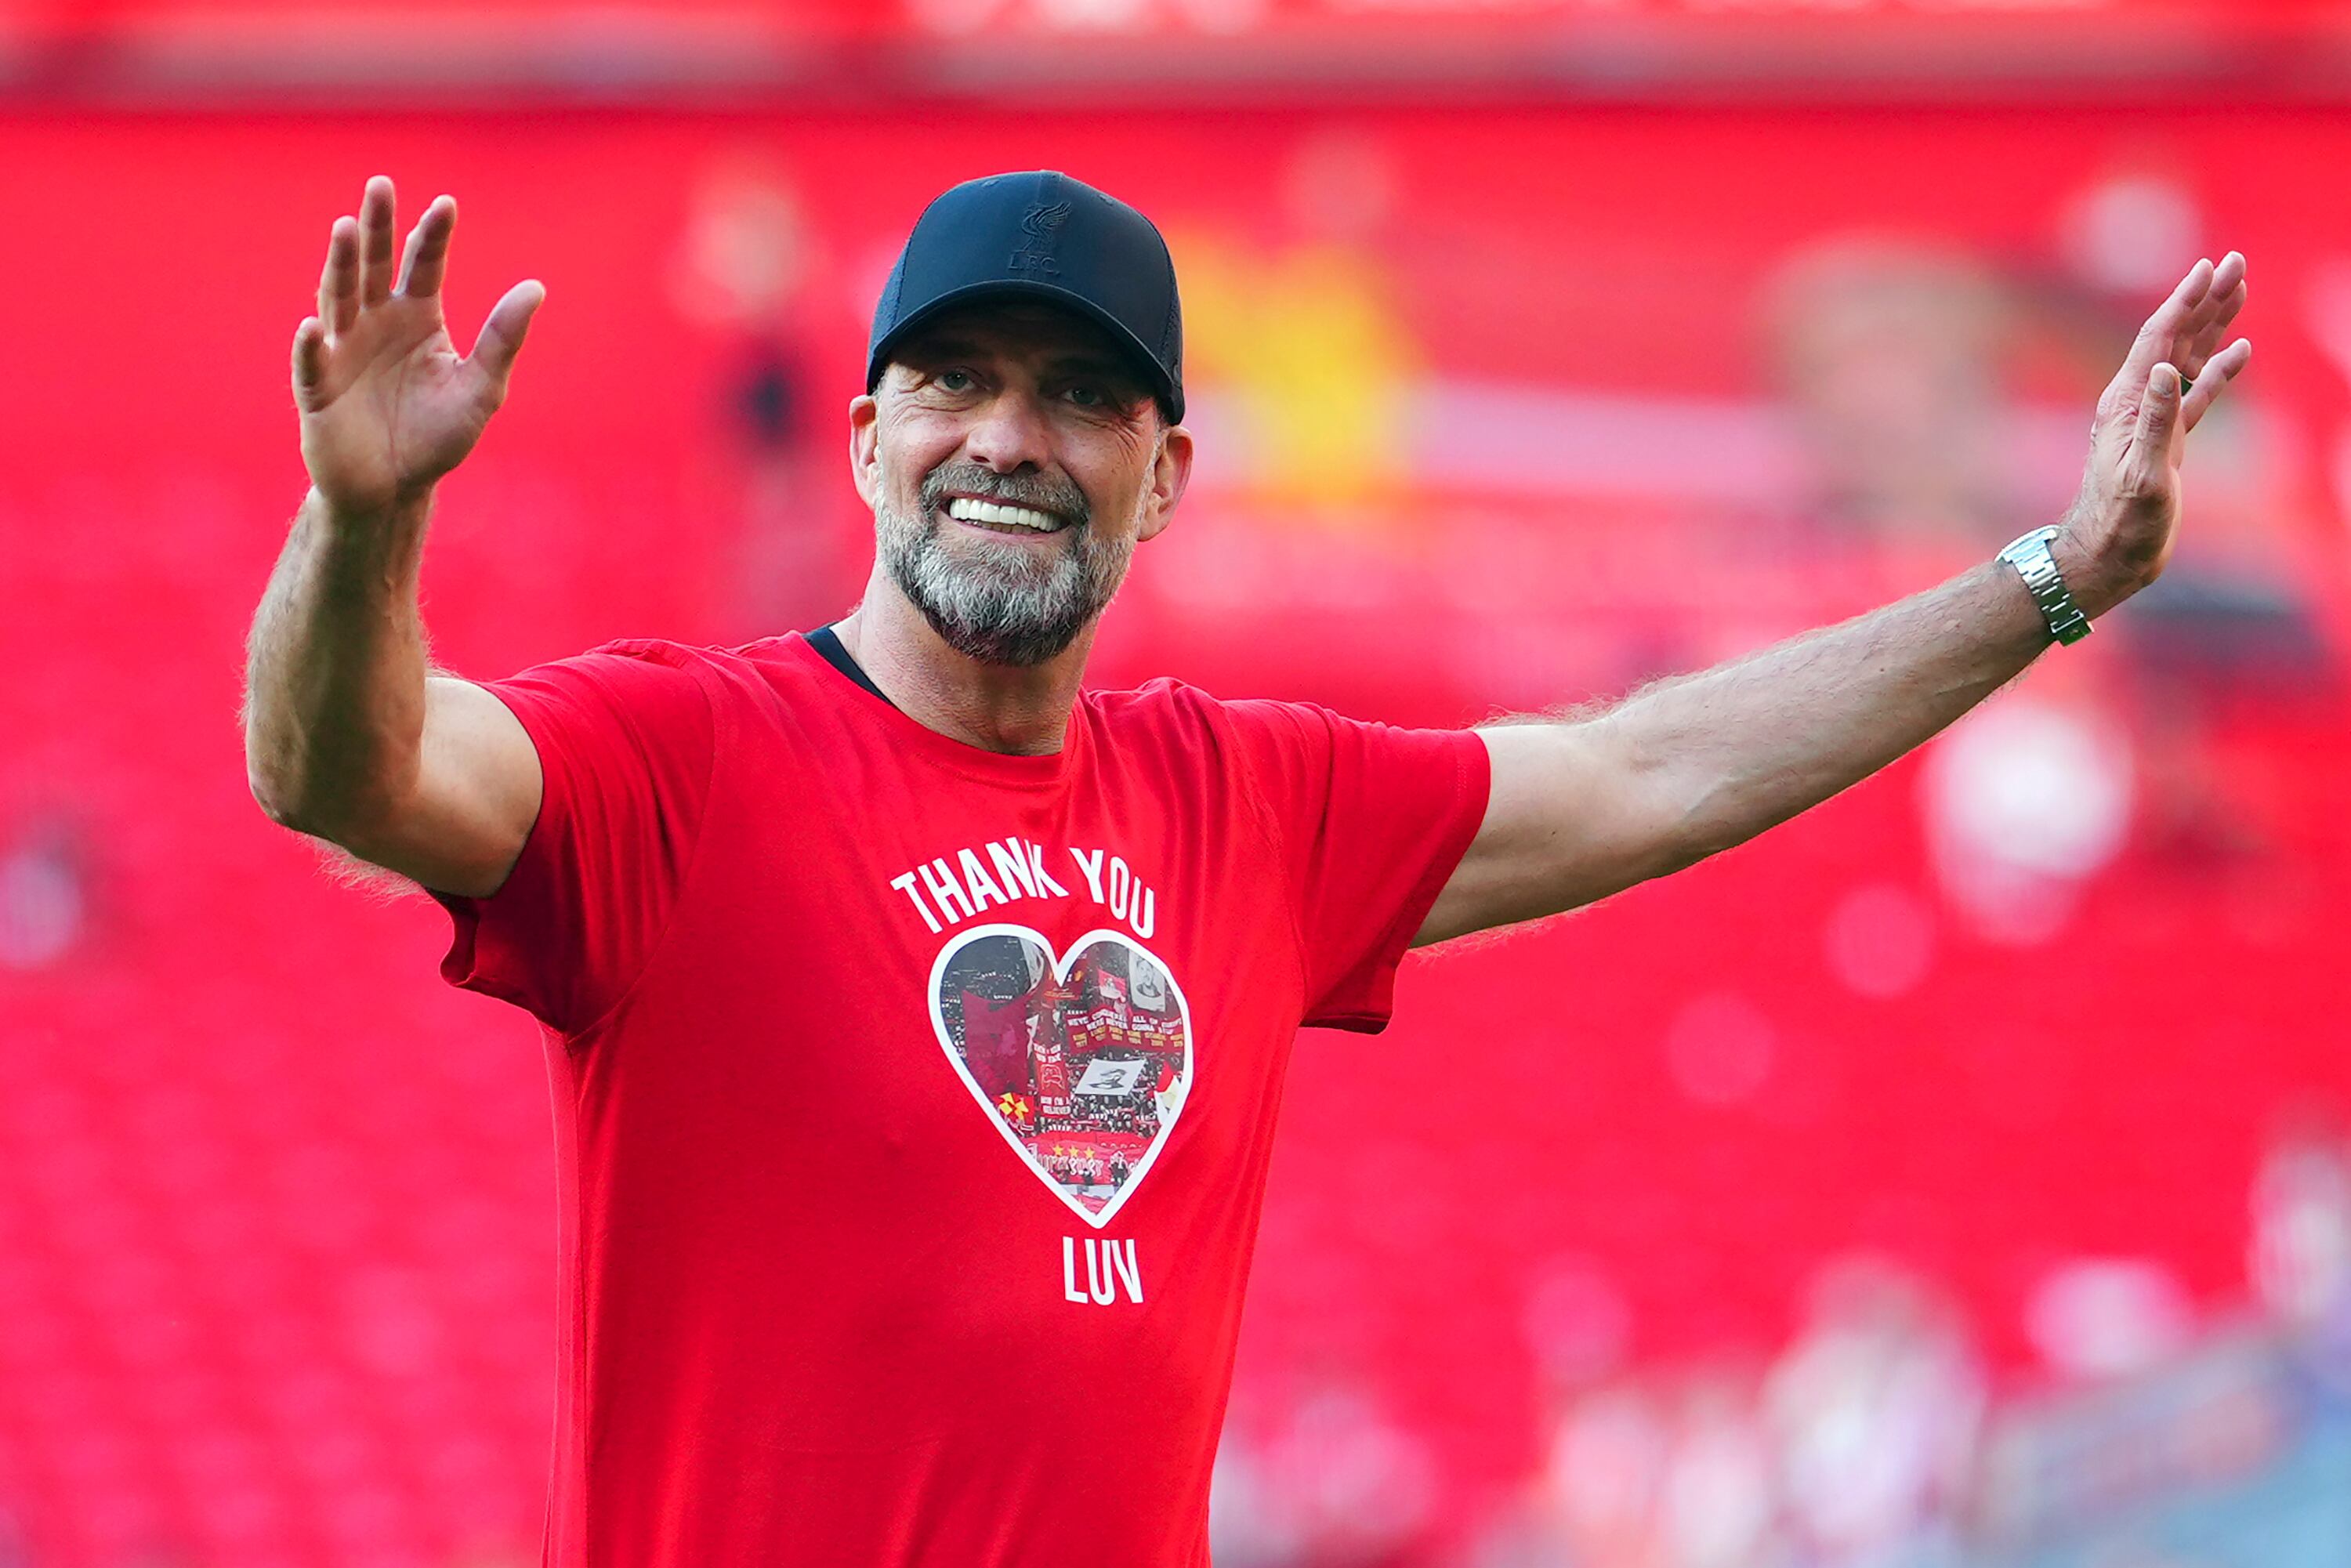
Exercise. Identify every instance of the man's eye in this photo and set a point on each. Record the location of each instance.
(957, 380)
(1088, 397)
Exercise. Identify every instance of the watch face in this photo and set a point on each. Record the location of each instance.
(2034, 543)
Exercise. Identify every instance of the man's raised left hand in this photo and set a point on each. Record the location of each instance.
(2119, 533)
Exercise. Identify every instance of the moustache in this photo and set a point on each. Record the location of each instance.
(1050, 495)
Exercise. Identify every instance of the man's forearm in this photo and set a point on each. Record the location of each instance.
(1583, 809)
(334, 672)
(1749, 744)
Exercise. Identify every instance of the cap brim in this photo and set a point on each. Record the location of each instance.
(1163, 387)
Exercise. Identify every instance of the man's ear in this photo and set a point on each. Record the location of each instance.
(865, 448)
(1171, 470)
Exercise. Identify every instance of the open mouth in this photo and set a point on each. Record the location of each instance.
(1005, 516)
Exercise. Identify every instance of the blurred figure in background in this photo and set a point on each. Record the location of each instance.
(2300, 1261)
(1303, 332)
(742, 272)
(1331, 1481)
(1854, 1448)
(1890, 357)
(45, 893)
(1874, 1412)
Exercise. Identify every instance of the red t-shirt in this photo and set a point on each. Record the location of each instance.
(912, 1101)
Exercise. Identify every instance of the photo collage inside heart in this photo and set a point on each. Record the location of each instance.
(1082, 1064)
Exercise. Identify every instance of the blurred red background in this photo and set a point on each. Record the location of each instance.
(1857, 1197)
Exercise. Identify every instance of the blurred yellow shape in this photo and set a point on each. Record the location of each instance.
(1306, 357)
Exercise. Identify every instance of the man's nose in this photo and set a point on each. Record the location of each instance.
(1009, 432)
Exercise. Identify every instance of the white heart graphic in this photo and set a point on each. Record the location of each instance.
(1082, 1069)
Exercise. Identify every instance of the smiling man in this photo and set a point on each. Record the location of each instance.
(1021, 603)
(918, 1016)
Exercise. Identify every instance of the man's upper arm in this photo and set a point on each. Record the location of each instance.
(626, 739)
(1572, 818)
(477, 793)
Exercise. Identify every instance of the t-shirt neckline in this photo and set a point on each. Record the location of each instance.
(961, 755)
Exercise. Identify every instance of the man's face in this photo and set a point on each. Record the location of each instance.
(1013, 459)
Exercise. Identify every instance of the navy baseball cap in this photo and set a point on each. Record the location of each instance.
(1040, 235)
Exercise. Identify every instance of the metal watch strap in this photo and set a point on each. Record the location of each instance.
(2031, 557)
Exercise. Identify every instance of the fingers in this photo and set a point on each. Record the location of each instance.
(501, 335)
(359, 259)
(339, 285)
(376, 213)
(2154, 442)
(2213, 380)
(309, 360)
(2198, 348)
(2173, 320)
(2211, 321)
(2228, 277)
(425, 261)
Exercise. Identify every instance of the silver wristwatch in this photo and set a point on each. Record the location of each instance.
(2031, 557)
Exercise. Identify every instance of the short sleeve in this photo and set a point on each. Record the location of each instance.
(626, 740)
(1373, 820)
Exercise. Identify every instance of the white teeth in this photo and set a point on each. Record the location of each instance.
(966, 510)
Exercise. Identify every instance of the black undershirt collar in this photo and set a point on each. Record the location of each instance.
(827, 643)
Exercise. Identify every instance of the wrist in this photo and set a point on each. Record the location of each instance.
(371, 518)
(2094, 587)
(365, 543)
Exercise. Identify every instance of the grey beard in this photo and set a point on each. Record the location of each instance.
(1001, 607)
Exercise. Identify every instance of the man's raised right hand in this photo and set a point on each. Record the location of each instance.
(387, 405)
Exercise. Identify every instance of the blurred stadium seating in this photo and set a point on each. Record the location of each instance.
(1958, 1176)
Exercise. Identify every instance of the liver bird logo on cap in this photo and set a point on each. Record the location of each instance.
(1042, 225)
